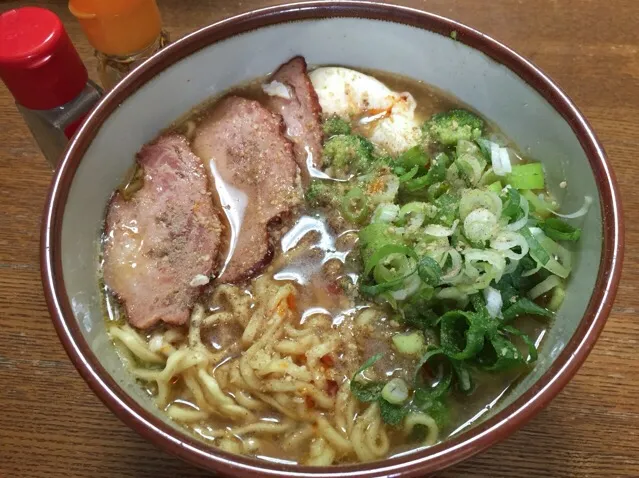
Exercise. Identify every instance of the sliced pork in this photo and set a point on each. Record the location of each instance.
(253, 166)
(162, 244)
(291, 94)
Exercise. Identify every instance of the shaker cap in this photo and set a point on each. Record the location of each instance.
(38, 63)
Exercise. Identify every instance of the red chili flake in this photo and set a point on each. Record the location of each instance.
(290, 301)
(332, 387)
(310, 403)
(327, 360)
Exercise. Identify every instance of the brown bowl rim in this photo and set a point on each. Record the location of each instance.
(419, 463)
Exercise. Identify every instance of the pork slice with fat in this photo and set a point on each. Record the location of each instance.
(291, 94)
(162, 244)
(253, 166)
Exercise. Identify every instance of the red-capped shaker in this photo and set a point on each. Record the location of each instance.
(41, 68)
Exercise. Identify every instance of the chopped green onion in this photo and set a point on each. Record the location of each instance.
(557, 298)
(541, 207)
(414, 157)
(470, 167)
(559, 230)
(500, 158)
(417, 212)
(467, 147)
(464, 379)
(453, 293)
(429, 271)
(436, 173)
(447, 208)
(455, 269)
(526, 176)
(436, 230)
(436, 190)
(545, 286)
(387, 250)
(395, 391)
(484, 147)
(378, 233)
(412, 343)
(536, 250)
(495, 187)
(409, 175)
(409, 286)
(512, 207)
(480, 225)
(383, 188)
(392, 414)
(524, 307)
(494, 301)
(354, 205)
(439, 369)
(532, 350)
(368, 364)
(500, 354)
(385, 213)
(504, 241)
(489, 177)
(472, 199)
(392, 267)
(377, 289)
(579, 212)
(461, 335)
(456, 288)
(495, 259)
(523, 218)
(366, 391)
(560, 258)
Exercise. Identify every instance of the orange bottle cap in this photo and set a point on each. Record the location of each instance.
(118, 27)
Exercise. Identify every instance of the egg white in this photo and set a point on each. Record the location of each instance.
(347, 93)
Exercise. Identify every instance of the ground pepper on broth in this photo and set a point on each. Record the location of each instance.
(381, 325)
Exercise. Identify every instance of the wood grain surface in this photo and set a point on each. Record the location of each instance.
(52, 425)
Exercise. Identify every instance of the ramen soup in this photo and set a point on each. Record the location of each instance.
(331, 266)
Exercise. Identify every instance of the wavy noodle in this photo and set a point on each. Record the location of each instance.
(413, 419)
(186, 414)
(298, 437)
(320, 453)
(135, 344)
(230, 445)
(277, 406)
(272, 381)
(369, 438)
(345, 409)
(249, 402)
(334, 437)
(261, 427)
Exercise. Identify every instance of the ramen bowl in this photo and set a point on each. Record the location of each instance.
(503, 86)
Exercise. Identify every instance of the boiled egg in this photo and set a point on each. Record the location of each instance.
(390, 115)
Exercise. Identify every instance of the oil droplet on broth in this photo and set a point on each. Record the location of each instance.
(234, 202)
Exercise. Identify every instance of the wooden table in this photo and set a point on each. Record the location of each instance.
(52, 425)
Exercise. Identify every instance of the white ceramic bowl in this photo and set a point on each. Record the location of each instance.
(479, 71)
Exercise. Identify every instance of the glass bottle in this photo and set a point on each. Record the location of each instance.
(124, 33)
